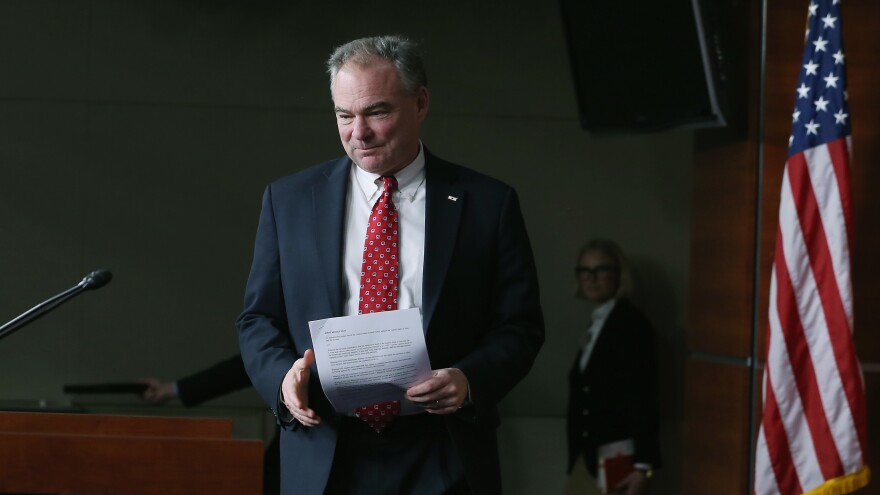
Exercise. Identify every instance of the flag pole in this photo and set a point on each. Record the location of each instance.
(756, 255)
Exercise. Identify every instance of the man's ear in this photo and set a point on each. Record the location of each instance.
(423, 102)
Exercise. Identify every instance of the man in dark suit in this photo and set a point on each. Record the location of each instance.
(612, 384)
(465, 262)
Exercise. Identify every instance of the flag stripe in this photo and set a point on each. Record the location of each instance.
(800, 358)
(786, 394)
(843, 374)
(765, 477)
(786, 477)
(823, 166)
(839, 152)
(778, 467)
(826, 190)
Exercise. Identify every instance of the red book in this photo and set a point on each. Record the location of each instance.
(615, 464)
(616, 469)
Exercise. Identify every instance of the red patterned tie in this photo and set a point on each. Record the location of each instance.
(379, 277)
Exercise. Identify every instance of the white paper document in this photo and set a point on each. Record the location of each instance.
(370, 358)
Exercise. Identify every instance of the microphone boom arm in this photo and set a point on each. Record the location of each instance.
(94, 280)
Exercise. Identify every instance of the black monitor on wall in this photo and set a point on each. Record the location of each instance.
(645, 66)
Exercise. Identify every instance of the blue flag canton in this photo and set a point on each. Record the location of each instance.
(821, 113)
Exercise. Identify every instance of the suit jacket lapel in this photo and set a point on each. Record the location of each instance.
(443, 209)
(328, 205)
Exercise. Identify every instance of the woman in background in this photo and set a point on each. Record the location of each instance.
(613, 393)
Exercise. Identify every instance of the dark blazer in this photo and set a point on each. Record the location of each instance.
(615, 398)
(220, 379)
(481, 307)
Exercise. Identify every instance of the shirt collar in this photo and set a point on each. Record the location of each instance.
(602, 312)
(409, 178)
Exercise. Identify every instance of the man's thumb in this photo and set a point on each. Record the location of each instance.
(308, 358)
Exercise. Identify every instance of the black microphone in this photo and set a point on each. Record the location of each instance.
(94, 280)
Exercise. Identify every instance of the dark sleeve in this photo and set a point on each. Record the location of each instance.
(220, 379)
(266, 348)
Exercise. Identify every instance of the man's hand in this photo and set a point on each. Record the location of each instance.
(443, 393)
(295, 390)
(633, 484)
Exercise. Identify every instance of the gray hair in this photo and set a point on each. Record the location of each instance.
(612, 250)
(398, 50)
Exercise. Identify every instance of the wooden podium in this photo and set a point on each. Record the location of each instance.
(90, 454)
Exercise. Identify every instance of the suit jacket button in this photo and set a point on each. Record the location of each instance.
(585, 434)
(586, 389)
(585, 412)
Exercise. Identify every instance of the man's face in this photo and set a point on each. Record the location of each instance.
(378, 120)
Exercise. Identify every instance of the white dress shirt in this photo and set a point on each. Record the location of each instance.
(409, 199)
(600, 315)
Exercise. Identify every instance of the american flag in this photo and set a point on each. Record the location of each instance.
(813, 432)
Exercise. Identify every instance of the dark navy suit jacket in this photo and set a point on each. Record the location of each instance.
(615, 397)
(481, 308)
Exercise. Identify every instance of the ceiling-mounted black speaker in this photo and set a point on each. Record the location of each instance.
(646, 66)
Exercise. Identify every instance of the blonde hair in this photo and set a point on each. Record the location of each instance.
(612, 250)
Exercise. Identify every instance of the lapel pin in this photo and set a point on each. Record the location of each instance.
(452, 198)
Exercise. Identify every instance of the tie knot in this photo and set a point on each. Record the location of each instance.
(389, 183)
